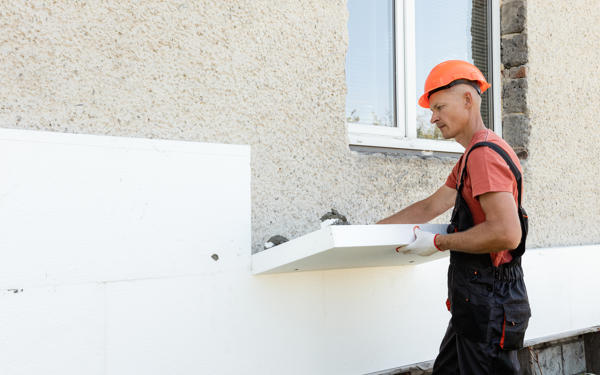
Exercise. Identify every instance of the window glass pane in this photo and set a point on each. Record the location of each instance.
(446, 30)
(370, 63)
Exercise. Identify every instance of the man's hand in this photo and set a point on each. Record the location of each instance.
(424, 244)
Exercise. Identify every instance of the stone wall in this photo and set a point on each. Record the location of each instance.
(515, 115)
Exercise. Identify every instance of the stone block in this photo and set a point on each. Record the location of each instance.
(516, 130)
(573, 357)
(548, 361)
(592, 352)
(514, 95)
(515, 72)
(512, 17)
(514, 50)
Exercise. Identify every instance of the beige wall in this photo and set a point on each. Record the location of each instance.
(271, 74)
(564, 94)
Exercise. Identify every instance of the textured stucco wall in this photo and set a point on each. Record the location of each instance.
(563, 184)
(269, 74)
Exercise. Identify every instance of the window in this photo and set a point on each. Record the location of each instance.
(393, 44)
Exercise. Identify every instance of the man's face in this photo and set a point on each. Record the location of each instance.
(449, 112)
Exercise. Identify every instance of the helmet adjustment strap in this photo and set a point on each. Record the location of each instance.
(473, 84)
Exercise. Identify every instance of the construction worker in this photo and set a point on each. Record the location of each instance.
(487, 297)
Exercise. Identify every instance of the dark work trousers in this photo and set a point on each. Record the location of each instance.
(490, 313)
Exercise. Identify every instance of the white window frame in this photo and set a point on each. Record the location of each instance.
(404, 136)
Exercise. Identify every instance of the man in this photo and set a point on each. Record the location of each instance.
(486, 293)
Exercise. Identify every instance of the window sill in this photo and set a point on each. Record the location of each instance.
(344, 246)
(391, 138)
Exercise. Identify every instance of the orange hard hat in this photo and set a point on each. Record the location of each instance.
(449, 73)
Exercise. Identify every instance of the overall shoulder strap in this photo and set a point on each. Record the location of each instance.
(506, 158)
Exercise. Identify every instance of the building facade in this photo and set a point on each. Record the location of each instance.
(274, 75)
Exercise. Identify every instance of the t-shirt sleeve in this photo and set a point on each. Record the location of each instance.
(489, 172)
(453, 176)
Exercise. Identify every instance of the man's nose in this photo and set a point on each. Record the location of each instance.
(434, 118)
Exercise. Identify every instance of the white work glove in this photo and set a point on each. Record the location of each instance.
(423, 245)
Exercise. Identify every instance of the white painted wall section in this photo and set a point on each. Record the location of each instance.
(563, 285)
(108, 242)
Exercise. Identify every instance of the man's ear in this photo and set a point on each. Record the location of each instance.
(468, 99)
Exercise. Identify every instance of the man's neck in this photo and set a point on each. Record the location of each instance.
(465, 137)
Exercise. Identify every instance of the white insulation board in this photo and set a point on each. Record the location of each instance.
(345, 246)
(80, 208)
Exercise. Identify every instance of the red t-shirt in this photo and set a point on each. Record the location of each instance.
(487, 172)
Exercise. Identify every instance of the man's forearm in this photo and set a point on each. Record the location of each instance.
(482, 238)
